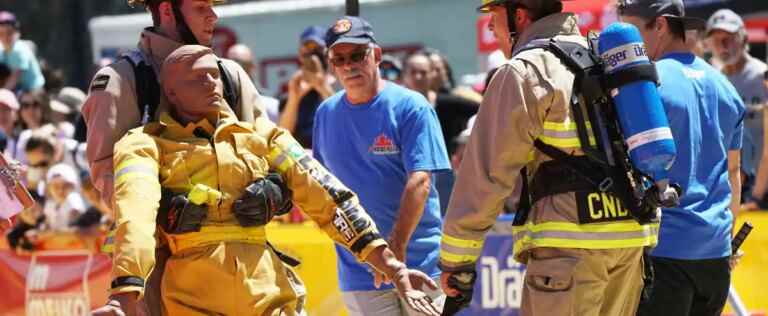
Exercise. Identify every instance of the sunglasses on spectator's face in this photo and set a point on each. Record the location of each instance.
(355, 57)
(28, 104)
(40, 164)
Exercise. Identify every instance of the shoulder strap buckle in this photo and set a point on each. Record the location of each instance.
(605, 185)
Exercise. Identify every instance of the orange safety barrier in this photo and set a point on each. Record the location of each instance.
(72, 282)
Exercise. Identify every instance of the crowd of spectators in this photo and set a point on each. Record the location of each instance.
(39, 117)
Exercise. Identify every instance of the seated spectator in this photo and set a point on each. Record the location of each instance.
(63, 203)
(308, 87)
(48, 146)
(40, 153)
(34, 111)
(34, 114)
(25, 69)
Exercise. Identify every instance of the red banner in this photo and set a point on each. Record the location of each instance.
(52, 282)
(486, 41)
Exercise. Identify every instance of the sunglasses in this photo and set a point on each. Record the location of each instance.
(354, 58)
(41, 164)
(25, 104)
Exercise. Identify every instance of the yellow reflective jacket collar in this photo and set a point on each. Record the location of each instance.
(548, 27)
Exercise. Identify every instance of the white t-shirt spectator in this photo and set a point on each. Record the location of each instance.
(59, 216)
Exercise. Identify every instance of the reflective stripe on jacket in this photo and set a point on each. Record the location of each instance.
(228, 158)
(527, 99)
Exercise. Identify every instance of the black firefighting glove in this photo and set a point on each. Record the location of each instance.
(262, 200)
(464, 282)
(652, 200)
(177, 215)
(649, 276)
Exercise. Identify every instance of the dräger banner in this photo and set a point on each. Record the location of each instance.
(499, 287)
(52, 282)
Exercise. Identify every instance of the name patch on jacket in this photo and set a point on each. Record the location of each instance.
(100, 82)
(598, 207)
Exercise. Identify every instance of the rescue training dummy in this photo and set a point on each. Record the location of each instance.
(211, 183)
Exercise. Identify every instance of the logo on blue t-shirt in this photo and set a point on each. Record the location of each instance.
(383, 145)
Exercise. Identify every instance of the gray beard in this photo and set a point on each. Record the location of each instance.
(731, 60)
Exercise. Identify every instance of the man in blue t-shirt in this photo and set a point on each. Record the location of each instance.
(25, 70)
(384, 142)
(692, 259)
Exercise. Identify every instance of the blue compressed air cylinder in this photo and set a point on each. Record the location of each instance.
(638, 105)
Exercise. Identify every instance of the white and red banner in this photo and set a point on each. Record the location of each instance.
(52, 282)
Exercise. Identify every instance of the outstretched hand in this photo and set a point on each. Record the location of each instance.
(410, 285)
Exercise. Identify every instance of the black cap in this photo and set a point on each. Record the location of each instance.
(651, 9)
(350, 29)
(535, 5)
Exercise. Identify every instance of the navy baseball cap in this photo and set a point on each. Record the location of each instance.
(315, 34)
(351, 30)
(651, 9)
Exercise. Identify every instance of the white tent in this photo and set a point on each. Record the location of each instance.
(272, 28)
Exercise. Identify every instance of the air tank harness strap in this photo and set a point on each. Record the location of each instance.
(565, 173)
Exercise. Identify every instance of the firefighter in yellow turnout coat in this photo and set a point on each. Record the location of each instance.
(199, 151)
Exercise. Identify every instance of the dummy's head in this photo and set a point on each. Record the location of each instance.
(192, 82)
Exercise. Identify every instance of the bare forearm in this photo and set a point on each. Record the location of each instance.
(734, 177)
(383, 259)
(325, 91)
(761, 179)
(735, 191)
(412, 204)
(290, 113)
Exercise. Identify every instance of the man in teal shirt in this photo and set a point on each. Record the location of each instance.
(18, 56)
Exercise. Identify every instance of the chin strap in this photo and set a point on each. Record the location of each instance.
(181, 24)
(511, 17)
